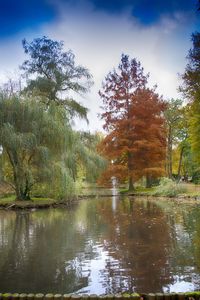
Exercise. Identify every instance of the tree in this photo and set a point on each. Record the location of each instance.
(40, 150)
(176, 130)
(88, 159)
(135, 143)
(191, 78)
(39, 146)
(194, 129)
(53, 75)
(82, 160)
(30, 137)
(191, 89)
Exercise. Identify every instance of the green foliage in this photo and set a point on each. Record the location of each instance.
(40, 149)
(63, 186)
(31, 138)
(57, 75)
(83, 159)
(194, 129)
(44, 151)
(196, 176)
(168, 187)
(174, 117)
(191, 90)
(191, 77)
(176, 129)
(89, 158)
(189, 165)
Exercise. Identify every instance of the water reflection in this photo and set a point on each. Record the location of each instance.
(101, 246)
(115, 199)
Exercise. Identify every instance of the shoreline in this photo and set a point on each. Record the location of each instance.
(51, 203)
(181, 196)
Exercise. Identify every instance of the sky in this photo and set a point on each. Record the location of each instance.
(156, 32)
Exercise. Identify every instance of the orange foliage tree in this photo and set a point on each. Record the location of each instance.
(133, 116)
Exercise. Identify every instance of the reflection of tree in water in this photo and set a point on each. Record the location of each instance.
(38, 251)
(139, 245)
(137, 242)
(6, 221)
(19, 240)
(195, 217)
(185, 227)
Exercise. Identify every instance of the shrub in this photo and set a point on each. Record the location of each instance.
(170, 188)
(196, 177)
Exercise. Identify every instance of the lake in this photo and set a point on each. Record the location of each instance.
(102, 245)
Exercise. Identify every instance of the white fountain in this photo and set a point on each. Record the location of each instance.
(114, 193)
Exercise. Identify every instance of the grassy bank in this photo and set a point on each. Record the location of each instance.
(9, 202)
(168, 189)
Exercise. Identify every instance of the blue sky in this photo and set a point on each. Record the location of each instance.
(18, 15)
(156, 32)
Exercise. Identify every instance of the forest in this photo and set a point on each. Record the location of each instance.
(147, 141)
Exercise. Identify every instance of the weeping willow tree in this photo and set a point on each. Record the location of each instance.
(32, 138)
(93, 163)
(80, 162)
(39, 146)
(84, 158)
(41, 150)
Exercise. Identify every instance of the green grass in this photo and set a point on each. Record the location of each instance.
(34, 202)
(141, 189)
(40, 200)
(138, 190)
(123, 191)
(165, 190)
(7, 199)
(193, 194)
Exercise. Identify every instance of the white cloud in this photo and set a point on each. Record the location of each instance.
(98, 39)
(10, 54)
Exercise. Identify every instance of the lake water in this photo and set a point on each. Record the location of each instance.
(102, 245)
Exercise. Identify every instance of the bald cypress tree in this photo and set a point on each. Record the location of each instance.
(135, 143)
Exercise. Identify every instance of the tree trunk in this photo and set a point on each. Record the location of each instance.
(169, 154)
(130, 168)
(180, 164)
(22, 188)
(21, 182)
(148, 181)
(131, 185)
